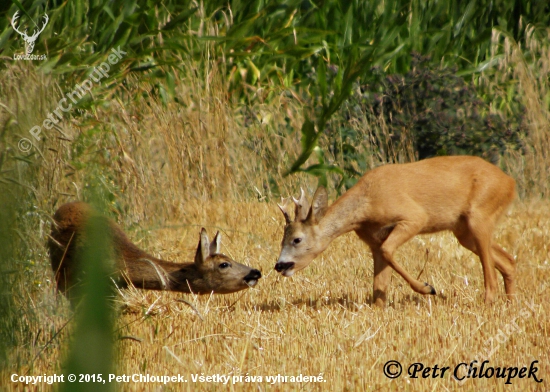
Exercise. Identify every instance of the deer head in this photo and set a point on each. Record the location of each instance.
(302, 240)
(216, 271)
(29, 40)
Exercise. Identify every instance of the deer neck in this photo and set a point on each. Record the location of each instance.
(343, 216)
(148, 272)
(157, 274)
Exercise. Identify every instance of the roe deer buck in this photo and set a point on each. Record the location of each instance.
(211, 271)
(391, 204)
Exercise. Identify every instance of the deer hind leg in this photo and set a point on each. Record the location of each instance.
(401, 233)
(502, 260)
(506, 265)
(476, 236)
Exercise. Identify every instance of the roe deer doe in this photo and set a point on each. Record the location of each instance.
(393, 203)
(210, 272)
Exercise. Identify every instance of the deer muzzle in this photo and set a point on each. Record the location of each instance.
(285, 268)
(252, 278)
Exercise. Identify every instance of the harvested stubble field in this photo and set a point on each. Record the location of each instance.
(320, 322)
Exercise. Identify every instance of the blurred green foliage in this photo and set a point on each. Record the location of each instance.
(8, 242)
(318, 49)
(430, 110)
(91, 347)
(443, 114)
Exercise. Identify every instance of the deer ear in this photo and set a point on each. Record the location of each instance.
(215, 246)
(202, 250)
(319, 206)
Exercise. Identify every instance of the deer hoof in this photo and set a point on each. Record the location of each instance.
(432, 290)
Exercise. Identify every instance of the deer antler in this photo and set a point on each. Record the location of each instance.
(284, 209)
(301, 206)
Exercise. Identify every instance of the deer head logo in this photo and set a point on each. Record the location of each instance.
(29, 40)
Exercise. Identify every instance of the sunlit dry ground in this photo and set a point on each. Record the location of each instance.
(320, 322)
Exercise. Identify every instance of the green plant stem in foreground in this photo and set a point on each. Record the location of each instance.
(91, 350)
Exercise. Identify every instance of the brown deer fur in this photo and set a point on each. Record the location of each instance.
(393, 203)
(210, 272)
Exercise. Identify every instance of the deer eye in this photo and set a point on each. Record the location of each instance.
(296, 241)
(224, 265)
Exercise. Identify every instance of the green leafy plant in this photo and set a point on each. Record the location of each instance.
(442, 113)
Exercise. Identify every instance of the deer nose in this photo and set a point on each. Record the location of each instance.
(253, 275)
(281, 266)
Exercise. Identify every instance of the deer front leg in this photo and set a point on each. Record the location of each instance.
(402, 232)
(382, 277)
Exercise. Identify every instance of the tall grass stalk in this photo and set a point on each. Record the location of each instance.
(524, 67)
